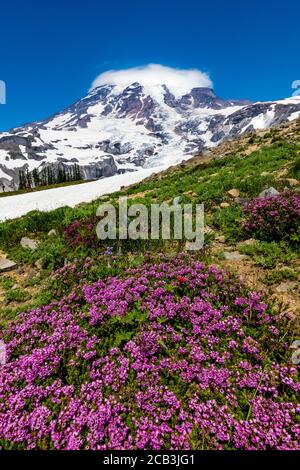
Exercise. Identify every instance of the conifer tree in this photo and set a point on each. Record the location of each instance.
(36, 177)
(21, 179)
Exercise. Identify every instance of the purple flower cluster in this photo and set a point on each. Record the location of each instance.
(274, 217)
(82, 232)
(175, 355)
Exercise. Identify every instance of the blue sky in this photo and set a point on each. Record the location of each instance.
(50, 52)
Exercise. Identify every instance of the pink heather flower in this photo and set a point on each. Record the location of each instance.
(132, 363)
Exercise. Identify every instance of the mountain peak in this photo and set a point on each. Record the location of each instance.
(120, 127)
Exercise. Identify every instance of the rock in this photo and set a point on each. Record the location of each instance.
(39, 264)
(208, 230)
(29, 243)
(233, 193)
(221, 239)
(224, 205)
(269, 192)
(250, 241)
(286, 286)
(233, 256)
(241, 200)
(265, 173)
(7, 265)
(292, 181)
(282, 172)
(190, 193)
(52, 233)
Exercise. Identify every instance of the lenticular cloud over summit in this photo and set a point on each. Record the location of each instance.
(155, 74)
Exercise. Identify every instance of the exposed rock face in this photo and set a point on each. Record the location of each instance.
(114, 130)
(29, 243)
(233, 256)
(269, 192)
(7, 265)
(233, 193)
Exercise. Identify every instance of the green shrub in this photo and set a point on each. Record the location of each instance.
(269, 254)
(17, 295)
(277, 276)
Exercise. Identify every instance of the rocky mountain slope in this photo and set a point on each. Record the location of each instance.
(121, 129)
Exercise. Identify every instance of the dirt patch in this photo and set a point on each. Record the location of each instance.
(17, 280)
(253, 276)
(141, 194)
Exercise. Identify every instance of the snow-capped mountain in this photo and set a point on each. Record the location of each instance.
(117, 129)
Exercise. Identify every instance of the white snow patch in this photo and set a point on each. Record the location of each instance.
(294, 115)
(20, 204)
(5, 175)
(3, 155)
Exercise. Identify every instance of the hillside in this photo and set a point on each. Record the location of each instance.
(142, 344)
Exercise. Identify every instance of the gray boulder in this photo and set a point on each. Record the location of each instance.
(7, 265)
(233, 256)
(29, 243)
(269, 192)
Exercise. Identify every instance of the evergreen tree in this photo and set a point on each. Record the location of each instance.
(21, 179)
(28, 180)
(77, 171)
(36, 177)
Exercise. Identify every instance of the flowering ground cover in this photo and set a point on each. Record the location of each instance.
(275, 217)
(172, 355)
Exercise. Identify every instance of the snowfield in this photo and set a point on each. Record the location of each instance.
(20, 204)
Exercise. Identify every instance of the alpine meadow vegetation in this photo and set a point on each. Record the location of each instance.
(138, 344)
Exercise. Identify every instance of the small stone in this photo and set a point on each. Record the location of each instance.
(224, 205)
(52, 233)
(286, 286)
(265, 173)
(190, 193)
(269, 192)
(208, 230)
(249, 242)
(29, 243)
(20, 270)
(241, 200)
(221, 239)
(39, 264)
(233, 193)
(7, 265)
(282, 172)
(292, 181)
(233, 256)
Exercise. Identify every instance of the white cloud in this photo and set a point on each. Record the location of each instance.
(179, 81)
